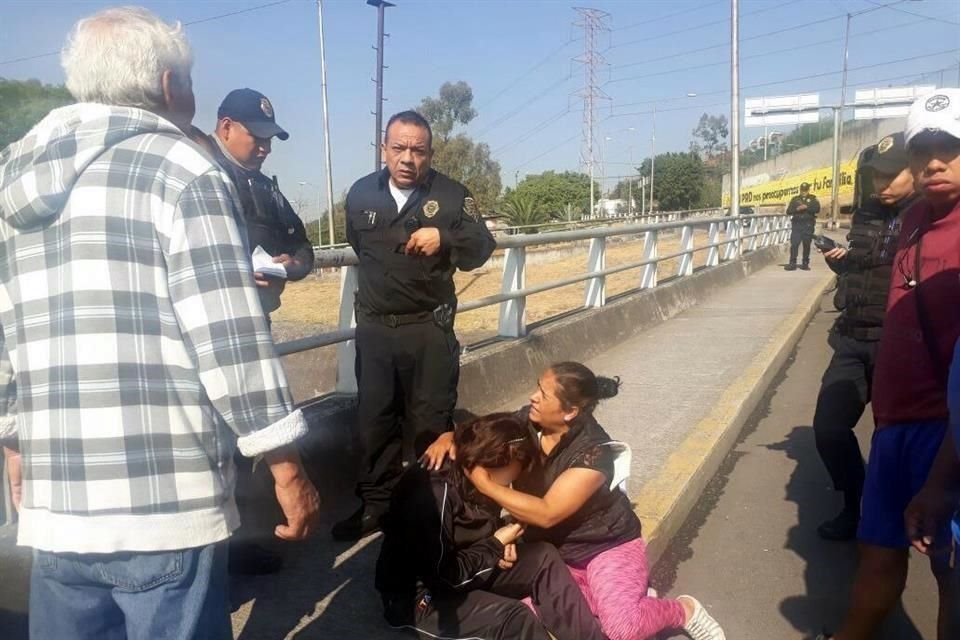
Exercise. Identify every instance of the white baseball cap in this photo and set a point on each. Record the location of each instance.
(937, 111)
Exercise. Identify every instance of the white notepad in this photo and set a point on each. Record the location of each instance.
(263, 263)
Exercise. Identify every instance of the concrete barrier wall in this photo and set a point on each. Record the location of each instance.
(856, 137)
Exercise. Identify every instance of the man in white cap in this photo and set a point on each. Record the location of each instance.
(910, 383)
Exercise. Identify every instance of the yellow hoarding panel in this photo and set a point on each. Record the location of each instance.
(780, 191)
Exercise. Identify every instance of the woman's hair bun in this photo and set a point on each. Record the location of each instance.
(608, 387)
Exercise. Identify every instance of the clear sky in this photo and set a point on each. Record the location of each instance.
(518, 57)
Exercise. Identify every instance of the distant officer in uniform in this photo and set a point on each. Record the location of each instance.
(411, 228)
(245, 129)
(242, 141)
(803, 210)
(865, 270)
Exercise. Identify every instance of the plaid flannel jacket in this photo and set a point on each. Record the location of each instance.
(134, 356)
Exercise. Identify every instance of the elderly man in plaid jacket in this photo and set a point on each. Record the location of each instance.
(134, 356)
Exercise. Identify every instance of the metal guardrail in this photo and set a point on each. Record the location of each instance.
(739, 235)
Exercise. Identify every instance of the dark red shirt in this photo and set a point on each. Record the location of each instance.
(908, 385)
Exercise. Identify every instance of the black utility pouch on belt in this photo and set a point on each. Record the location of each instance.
(444, 315)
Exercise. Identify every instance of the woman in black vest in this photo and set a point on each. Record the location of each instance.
(447, 568)
(571, 498)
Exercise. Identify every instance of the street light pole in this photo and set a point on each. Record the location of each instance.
(653, 152)
(381, 6)
(735, 108)
(326, 134)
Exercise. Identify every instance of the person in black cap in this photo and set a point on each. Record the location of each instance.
(241, 143)
(865, 270)
(803, 210)
(411, 228)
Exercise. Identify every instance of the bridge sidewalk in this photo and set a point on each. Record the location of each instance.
(689, 384)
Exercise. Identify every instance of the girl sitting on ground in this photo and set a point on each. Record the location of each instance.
(447, 568)
(571, 498)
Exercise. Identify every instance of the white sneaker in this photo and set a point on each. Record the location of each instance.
(701, 625)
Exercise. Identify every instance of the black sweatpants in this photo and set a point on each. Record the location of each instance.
(844, 394)
(800, 236)
(496, 613)
(407, 386)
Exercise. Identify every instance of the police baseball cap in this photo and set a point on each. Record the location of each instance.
(938, 112)
(890, 155)
(804, 186)
(253, 110)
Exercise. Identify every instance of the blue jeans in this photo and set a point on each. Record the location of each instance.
(173, 595)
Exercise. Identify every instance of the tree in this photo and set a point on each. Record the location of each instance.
(679, 180)
(556, 192)
(522, 209)
(710, 136)
(458, 156)
(24, 104)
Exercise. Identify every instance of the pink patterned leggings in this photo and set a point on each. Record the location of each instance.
(614, 584)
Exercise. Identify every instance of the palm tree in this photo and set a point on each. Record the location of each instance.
(522, 210)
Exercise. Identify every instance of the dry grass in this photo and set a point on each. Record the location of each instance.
(314, 301)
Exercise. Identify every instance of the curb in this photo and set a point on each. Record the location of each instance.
(665, 501)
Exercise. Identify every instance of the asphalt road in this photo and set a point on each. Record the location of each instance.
(749, 550)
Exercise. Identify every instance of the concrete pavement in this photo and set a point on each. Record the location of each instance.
(688, 385)
(749, 549)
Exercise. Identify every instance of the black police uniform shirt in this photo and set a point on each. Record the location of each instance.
(391, 282)
(271, 223)
(807, 217)
(606, 520)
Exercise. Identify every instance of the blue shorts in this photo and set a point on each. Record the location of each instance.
(901, 456)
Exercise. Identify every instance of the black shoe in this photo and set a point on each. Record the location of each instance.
(790, 267)
(805, 267)
(840, 529)
(358, 525)
(249, 559)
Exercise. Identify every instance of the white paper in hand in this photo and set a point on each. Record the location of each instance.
(263, 264)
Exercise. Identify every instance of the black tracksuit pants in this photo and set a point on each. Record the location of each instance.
(407, 387)
(844, 394)
(496, 613)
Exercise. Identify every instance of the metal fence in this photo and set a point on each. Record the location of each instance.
(727, 239)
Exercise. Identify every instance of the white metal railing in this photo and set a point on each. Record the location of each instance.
(745, 234)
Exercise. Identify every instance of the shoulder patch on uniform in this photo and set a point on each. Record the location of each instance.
(884, 145)
(470, 207)
(431, 208)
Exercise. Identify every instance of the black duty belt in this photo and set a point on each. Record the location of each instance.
(867, 334)
(397, 319)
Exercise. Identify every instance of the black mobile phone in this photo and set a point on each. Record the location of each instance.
(823, 243)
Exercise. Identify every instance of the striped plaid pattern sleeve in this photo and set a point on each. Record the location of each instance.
(223, 325)
(8, 393)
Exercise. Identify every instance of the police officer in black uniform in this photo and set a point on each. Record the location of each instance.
(411, 228)
(865, 271)
(245, 130)
(246, 127)
(803, 210)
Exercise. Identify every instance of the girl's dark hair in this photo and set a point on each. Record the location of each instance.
(578, 386)
(494, 440)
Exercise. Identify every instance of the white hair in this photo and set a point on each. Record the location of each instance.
(118, 56)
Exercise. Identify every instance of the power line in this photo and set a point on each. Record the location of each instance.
(705, 24)
(766, 34)
(523, 106)
(526, 73)
(715, 104)
(763, 54)
(670, 15)
(911, 13)
(186, 24)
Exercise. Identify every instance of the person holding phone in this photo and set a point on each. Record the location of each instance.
(864, 269)
(803, 210)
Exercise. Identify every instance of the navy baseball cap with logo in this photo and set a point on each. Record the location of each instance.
(253, 110)
(890, 155)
